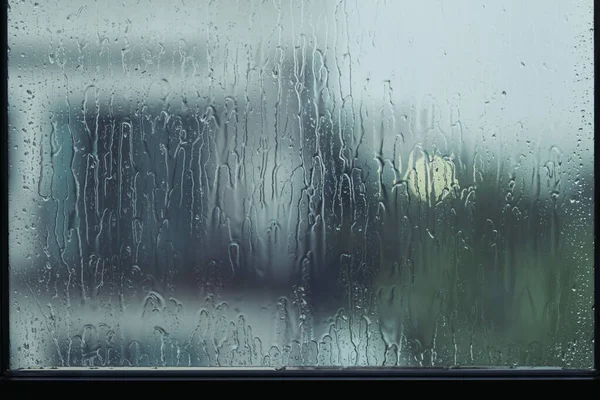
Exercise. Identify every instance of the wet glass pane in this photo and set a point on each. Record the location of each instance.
(301, 183)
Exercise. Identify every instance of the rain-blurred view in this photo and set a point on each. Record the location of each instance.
(301, 183)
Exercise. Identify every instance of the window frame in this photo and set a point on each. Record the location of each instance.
(321, 373)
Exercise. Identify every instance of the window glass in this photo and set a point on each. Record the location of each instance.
(301, 183)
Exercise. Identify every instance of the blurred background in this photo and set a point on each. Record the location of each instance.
(301, 183)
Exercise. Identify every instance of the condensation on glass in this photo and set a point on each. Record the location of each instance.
(301, 183)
